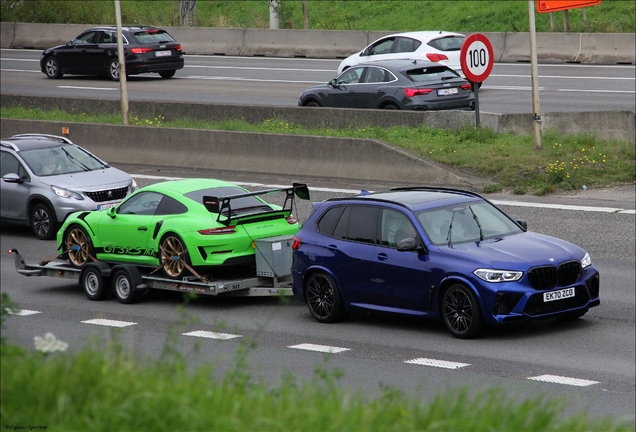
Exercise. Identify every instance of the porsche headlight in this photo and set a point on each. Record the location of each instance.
(65, 193)
(586, 261)
(490, 275)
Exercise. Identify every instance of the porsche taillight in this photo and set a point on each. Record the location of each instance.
(291, 219)
(221, 230)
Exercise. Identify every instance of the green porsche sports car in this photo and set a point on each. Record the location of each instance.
(181, 227)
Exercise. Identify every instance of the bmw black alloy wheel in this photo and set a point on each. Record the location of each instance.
(323, 298)
(461, 312)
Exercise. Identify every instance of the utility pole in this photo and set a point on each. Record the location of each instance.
(123, 89)
(305, 15)
(536, 106)
(273, 14)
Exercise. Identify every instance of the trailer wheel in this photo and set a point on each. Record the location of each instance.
(174, 256)
(123, 287)
(93, 283)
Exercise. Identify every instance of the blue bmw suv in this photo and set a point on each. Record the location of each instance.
(441, 253)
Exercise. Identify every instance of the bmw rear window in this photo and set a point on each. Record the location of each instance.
(448, 43)
(153, 36)
(436, 73)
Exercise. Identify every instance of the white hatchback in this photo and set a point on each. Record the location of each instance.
(436, 46)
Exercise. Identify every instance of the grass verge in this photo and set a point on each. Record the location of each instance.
(566, 162)
(105, 388)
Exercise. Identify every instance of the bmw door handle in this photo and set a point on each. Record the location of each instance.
(383, 257)
(142, 228)
(332, 247)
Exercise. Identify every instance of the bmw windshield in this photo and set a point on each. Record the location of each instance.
(467, 222)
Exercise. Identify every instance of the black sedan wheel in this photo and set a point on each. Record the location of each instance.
(312, 103)
(112, 69)
(52, 68)
(460, 312)
(174, 256)
(391, 107)
(78, 246)
(43, 222)
(323, 298)
(167, 74)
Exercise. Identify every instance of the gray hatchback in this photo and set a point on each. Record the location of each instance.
(47, 177)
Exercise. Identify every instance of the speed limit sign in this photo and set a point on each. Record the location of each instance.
(476, 58)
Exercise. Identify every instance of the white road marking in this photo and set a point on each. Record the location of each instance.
(357, 191)
(19, 70)
(257, 68)
(212, 335)
(220, 78)
(437, 363)
(563, 380)
(87, 88)
(319, 348)
(109, 323)
(21, 312)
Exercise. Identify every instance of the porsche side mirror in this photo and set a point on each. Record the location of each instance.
(111, 212)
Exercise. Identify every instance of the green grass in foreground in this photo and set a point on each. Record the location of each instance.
(566, 162)
(105, 388)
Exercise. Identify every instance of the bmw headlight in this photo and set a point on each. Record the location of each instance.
(586, 261)
(65, 193)
(490, 275)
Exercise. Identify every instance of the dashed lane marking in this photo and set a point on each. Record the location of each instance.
(319, 348)
(437, 363)
(21, 312)
(563, 380)
(212, 335)
(109, 323)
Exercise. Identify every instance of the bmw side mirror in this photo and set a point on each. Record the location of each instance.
(410, 244)
(111, 212)
(523, 224)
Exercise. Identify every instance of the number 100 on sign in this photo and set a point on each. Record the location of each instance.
(477, 58)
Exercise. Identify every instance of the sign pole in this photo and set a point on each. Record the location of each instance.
(536, 106)
(476, 91)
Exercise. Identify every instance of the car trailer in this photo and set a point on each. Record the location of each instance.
(130, 282)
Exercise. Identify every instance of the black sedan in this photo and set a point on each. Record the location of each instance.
(394, 84)
(94, 52)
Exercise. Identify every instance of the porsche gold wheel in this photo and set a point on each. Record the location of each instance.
(78, 246)
(174, 256)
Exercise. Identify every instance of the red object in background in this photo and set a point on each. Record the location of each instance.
(545, 6)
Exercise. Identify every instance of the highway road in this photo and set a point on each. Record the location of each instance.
(589, 362)
(279, 81)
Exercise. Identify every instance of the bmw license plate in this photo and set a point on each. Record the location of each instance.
(447, 92)
(558, 295)
(163, 53)
(106, 206)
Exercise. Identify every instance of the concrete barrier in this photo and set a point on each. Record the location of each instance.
(299, 156)
(594, 48)
(604, 125)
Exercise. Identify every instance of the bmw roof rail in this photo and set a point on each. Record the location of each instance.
(36, 135)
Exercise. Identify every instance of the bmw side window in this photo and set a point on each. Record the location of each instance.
(395, 227)
(170, 206)
(144, 203)
(328, 221)
(351, 76)
(363, 223)
(340, 231)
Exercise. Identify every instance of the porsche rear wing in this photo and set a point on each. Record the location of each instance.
(223, 205)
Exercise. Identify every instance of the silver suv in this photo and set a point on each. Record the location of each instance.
(47, 177)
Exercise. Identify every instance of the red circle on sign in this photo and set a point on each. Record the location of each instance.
(476, 72)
